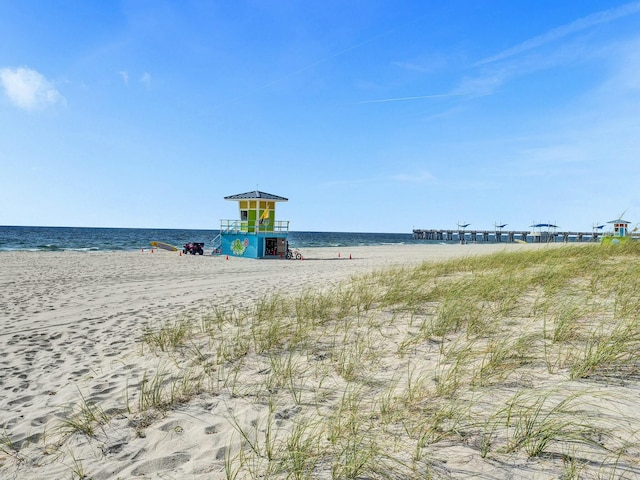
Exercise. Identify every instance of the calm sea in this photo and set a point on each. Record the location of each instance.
(105, 239)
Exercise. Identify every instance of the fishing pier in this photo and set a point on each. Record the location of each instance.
(497, 236)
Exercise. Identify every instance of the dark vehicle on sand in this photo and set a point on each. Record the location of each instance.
(193, 248)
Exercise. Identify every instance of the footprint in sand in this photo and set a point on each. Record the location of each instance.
(220, 454)
(101, 391)
(40, 421)
(21, 401)
(161, 464)
(79, 373)
(18, 443)
(114, 448)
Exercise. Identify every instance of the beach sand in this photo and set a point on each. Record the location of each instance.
(71, 334)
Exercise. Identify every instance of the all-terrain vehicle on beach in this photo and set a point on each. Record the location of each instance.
(193, 248)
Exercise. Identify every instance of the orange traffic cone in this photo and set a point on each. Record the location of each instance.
(349, 256)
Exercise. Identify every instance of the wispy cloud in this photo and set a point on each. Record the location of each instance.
(348, 182)
(565, 30)
(28, 89)
(627, 58)
(448, 113)
(552, 160)
(146, 79)
(492, 77)
(125, 76)
(427, 63)
(413, 67)
(419, 177)
(484, 84)
(520, 60)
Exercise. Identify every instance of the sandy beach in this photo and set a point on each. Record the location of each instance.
(72, 325)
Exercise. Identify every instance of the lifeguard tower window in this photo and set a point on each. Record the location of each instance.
(244, 215)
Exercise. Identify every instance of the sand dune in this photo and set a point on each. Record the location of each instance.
(71, 337)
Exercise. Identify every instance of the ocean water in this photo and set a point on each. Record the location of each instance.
(123, 239)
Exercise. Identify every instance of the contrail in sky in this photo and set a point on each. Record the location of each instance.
(324, 60)
(403, 99)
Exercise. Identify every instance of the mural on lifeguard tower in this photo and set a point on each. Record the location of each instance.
(256, 233)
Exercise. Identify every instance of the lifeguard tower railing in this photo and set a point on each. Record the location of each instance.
(280, 227)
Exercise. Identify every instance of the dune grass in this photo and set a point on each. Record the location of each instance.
(488, 364)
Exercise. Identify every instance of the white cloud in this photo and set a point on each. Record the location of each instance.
(625, 58)
(485, 84)
(526, 58)
(428, 63)
(418, 177)
(125, 76)
(146, 79)
(28, 89)
(565, 30)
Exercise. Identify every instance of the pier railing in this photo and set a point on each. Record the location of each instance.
(496, 236)
(254, 228)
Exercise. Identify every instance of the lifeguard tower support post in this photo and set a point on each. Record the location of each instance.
(257, 233)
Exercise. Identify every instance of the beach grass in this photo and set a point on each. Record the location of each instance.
(478, 365)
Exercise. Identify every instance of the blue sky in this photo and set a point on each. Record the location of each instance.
(370, 116)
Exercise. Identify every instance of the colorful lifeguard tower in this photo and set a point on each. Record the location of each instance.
(620, 232)
(257, 234)
(620, 227)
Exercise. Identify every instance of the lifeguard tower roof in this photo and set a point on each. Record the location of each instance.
(256, 194)
(619, 221)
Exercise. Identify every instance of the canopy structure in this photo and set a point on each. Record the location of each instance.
(544, 225)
